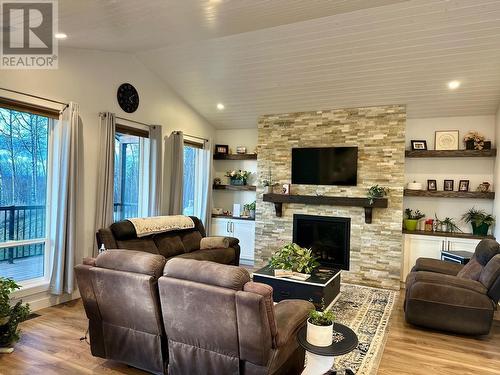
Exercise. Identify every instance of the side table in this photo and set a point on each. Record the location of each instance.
(320, 359)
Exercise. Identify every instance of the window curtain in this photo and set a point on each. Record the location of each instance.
(105, 177)
(62, 232)
(155, 153)
(174, 172)
(204, 180)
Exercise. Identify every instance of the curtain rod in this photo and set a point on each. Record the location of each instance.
(192, 136)
(35, 96)
(137, 122)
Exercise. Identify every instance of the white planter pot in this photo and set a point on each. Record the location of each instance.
(319, 335)
(267, 190)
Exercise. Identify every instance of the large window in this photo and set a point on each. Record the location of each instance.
(131, 173)
(191, 199)
(23, 194)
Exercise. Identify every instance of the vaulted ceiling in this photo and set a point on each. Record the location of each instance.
(272, 56)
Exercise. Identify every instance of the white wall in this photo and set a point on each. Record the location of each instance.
(477, 170)
(235, 137)
(91, 78)
(496, 206)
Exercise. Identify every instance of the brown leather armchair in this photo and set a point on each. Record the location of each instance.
(455, 298)
(219, 322)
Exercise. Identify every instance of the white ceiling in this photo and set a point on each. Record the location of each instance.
(272, 56)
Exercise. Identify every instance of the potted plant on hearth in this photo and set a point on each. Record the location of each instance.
(320, 327)
(479, 220)
(238, 178)
(293, 260)
(250, 207)
(10, 316)
(376, 192)
(412, 218)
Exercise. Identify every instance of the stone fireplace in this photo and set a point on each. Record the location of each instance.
(379, 133)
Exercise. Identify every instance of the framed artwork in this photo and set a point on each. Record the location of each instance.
(463, 185)
(286, 189)
(448, 185)
(222, 149)
(418, 145)
(431, 185)
(446, 140)
(241, 150)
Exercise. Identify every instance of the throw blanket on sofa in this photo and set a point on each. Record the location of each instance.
(146, 226)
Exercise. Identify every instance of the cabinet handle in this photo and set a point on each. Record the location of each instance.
(227, 227)
(448, 245)
(442, 245)
(232, 227)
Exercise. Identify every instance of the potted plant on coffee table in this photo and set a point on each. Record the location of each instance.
(411, 218)
(320, 327)
(479, 220)
(293, 261)
(10, 316)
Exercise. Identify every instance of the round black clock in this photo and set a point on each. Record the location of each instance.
(128, 97)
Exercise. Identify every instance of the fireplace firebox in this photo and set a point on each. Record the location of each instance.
(329, 238)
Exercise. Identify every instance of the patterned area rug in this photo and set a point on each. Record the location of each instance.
(366, 311)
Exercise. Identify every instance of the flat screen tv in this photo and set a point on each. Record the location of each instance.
(325, 166)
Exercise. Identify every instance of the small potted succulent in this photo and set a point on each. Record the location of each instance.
(320, 327)
(293, 258)
(479, 220)
(250, 207)
(412, 218)
(238, 178)
(447, 225)
(10, 316)
(376, 191)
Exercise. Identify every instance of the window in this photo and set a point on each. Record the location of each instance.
(24, 154)
(191, 198)
(131, 173)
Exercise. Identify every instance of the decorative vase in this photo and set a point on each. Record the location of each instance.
(252, 214)
(319, 335)
(267, 189)
(469, 145)
(480, 230)
(237, 182)
(411, 224)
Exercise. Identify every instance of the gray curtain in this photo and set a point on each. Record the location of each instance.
(64, 175)
(174, 172)
(155, 185)
(106, 172)
(206, 178)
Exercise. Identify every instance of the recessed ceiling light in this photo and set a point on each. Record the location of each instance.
(452, 85)
(220, 106)
(60, 36)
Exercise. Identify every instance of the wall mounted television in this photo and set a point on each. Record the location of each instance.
(325, 166)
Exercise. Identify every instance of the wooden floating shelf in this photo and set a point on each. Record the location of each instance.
(235, 156)
(232, 217)
(446, 234)
(450, 153)
(235, 187)
(279, 199)
(449, 194)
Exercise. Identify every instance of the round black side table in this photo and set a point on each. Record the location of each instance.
(320, 359)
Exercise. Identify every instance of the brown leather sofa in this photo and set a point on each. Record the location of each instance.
(219, 322)
(181, 243)
(452, 297)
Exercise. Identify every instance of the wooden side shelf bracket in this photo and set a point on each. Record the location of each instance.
(279, 199)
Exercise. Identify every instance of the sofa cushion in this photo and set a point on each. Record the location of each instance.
(485, 250)
(223, 256)
(131, 261)
(191, 240)
(471, 270)
(169, 244)
(490, 272)
(140, 244)
(123, 230)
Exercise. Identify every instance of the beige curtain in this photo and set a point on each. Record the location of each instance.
(105, 185)
(65, 141)
(205, 181)
(174, 172)
(155, 185)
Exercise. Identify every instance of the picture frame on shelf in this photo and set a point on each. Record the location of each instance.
(431, 185)
(417, 145)
(241, 150)
(448, 185)
(463, 185)
(221, 149)
(446, 140)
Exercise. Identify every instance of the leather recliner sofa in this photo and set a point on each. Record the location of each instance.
(452, 297)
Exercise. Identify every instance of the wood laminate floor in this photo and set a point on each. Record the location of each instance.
(51, 344)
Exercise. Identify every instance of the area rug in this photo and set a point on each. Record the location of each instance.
(366, 311)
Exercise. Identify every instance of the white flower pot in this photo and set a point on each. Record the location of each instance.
(319, 335)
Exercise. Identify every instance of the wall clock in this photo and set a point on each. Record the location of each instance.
(128, 97)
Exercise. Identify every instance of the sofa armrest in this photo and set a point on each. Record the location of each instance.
(290, 315)
(437, 266)
(233, 241)
(442, 279)
(89, 261)
(214, 242)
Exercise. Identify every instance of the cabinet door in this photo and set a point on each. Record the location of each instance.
(245, 232)
(461, 244)
(421, 247)
(220, 227)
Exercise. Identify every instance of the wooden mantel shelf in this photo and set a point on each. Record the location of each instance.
(279, 199)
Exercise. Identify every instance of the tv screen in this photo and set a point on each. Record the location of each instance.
(325, 166)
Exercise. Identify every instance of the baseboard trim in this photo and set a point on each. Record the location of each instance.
(51, 300)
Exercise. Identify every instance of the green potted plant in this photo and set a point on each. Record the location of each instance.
(10, 316)
(320, 327)
(412, 218)
(294, 258)
(479, 220)
(447, 225)
(250, 207)
(376, 191)
(238, 177)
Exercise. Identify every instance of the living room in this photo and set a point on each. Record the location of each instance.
(303, 162)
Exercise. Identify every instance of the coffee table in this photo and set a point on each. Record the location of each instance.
(320, 359)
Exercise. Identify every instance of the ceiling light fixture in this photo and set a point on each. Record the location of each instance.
(452, 85)
(60, 36)
(220, 106)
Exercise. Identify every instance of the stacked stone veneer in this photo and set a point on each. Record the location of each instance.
(379, 134)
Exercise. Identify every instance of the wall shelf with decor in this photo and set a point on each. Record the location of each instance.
(235, 156)
(450, 153)
(232, 217)
(449, 194)
(447, 234)
(235, 187)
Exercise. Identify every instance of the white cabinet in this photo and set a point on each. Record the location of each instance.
(417, 246)
(244, 230)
